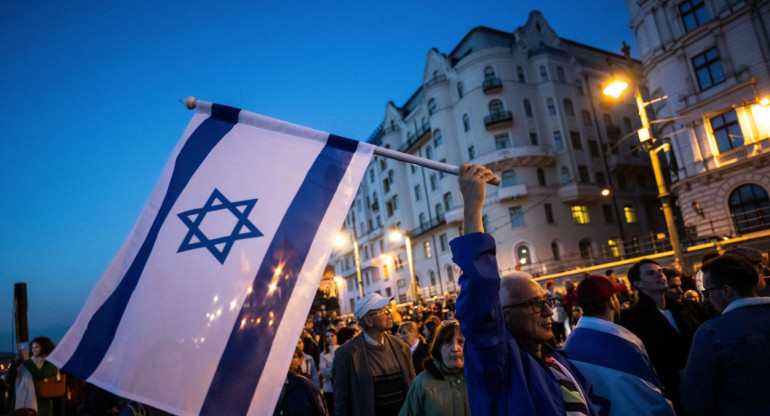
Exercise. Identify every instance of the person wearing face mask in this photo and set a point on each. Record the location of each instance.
(440, 389)
(611, 357)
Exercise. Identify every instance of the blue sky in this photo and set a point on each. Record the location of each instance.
(90, 114)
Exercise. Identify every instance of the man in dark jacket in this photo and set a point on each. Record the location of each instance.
(299, 396)
(666, 336)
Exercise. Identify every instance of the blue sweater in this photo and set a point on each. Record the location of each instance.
(503, 378)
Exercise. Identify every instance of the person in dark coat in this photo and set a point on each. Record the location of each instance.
(407, 331)
(299, 395)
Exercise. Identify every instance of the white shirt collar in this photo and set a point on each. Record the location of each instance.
(589, 322)
(369, 340)
(740, 303)
(414, 345)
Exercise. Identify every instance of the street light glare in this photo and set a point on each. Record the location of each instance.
(764, 101)
(341, 241)
(396, 236)
(605, 192)
(615, 89)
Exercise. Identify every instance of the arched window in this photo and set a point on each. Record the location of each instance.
(579, 85)
(489, 73)
(439, 211)
(560, 74)
(568, 108)
(558, 143)
(607, 119)
(565, 177)
(428, 152)
(520, 74)
(551, 107)
(460, 91)
(391, 176)
(626, 125)
(448, 203)
(528, 108)
(438, 138)
(432, 277)
(586, 118)
(750, 208)
(555, 251)
(496, 107)
(424, 122)
(541, 177)
(586, 252)
(543, 73)
(466, 122)
(422, 219)
(450, 273)
(523, 256)
(432, 106)
(509, 178)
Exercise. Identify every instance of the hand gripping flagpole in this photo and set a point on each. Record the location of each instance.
(389, 153)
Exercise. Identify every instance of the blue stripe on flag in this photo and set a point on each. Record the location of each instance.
(104, 323)
(245, 355)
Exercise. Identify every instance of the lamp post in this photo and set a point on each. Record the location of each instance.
(342, 242)
(398, 236)
(649, 144)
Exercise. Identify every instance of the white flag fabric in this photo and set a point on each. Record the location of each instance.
(201, 309)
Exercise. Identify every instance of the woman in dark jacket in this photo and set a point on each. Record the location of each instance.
(26, 371)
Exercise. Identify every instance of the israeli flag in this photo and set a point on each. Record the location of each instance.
(201, 309)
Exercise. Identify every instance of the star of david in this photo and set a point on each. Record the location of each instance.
(219, 247)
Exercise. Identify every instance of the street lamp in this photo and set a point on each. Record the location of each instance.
(342, 242)
(397, 236)
(615, 89)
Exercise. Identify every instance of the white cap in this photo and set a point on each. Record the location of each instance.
(369, 302)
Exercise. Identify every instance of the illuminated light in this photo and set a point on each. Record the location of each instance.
(661, 236)
(203, 339)
(644, 134)
(764, 101)
(249, 290)
(212, 317)
(341, 241)
(216, 298)
(615, 89)
(271, 315)
(232, 304)
(605, 192)
(272, 287)
(259, 320)
(523, 261)
(219, 311)
(278, 271)
(270, 323)
(243, 322)
(396, 236)
(207, 314)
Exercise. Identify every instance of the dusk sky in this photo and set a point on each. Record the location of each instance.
(90, 113)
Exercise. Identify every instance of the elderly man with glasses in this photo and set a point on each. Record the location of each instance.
(372, 372)
(509, 368)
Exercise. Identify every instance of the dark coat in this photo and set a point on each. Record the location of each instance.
(300, 397)
(667, 348)
(419, 355)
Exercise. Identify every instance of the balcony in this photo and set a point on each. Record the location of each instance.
(414, 140)
(492, 85)
(391, 129)
(510, 193)
(501, 159)
(739, 153)
(576, 193)
(498, 119)
(627, 164)
(425, 227)
(454, 216)
(438, 79)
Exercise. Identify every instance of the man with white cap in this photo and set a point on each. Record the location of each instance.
(612, 358)
(372, 372)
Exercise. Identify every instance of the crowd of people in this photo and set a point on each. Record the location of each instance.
(654, 342)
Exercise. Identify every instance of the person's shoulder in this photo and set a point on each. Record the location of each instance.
(346, 348)
(397, 342)
(302, 382)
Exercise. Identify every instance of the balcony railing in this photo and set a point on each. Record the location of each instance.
(538, 156)
(498, 117)
(412, 140)
(491, 84)
(426, 226)
(435, 80)
(739, 153)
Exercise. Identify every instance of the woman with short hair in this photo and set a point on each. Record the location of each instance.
(26, 370)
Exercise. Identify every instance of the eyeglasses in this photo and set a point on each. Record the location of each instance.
(385, 311)
(536, 305)
(706, 290)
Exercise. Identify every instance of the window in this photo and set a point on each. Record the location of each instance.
(555, 251)
(389, 208)
(428, 152)
(580, 214)
(551, 107)
(417, 192)
(489, 73)
(601, 180)
(450, 273)
(421, 218)
(560, 74)
(533, 138)
(528, 108)
(432, 276)
(443, 242)
(466, 123)
(386, 185)
(543, 74)
(502, 141)
(548, 213)
(442, 174)
(586, 251)
(708, 69)
(565, 176)
(438, 138)
(574, 137)
(523, 255)
(586, 118)
(433, 182)
(448, 203)
(614, 249)
(693, 14)
(520, 74)
(593, 148)
(496, 107)
(426, 250)
(750, 208)
(460, 91)
(432, 107)
(509, 178)
(471, 152)
(630, 212)
(439, 211)
(383, 164)
(371, 175)
(395, 202)
(583, 175)
(727, 131)
(517, 217)
(609, 216)
(558, 144)
(627, 125)
(568, 108)
(579, 87)
(541, 177)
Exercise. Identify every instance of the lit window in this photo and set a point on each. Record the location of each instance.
(708, 69)
(614, 249)
(517, 217)
(580, 214)
(727, 131)
(630, 213)
(523, 255)
(426, 249)
(693, 14)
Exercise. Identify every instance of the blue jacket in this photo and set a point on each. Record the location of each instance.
(727, 372)
(503, 378)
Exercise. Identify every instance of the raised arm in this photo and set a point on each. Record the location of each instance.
(473, 180)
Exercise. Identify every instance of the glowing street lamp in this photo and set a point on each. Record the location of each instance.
(615, 89)
(342, 241)
(397, 236)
